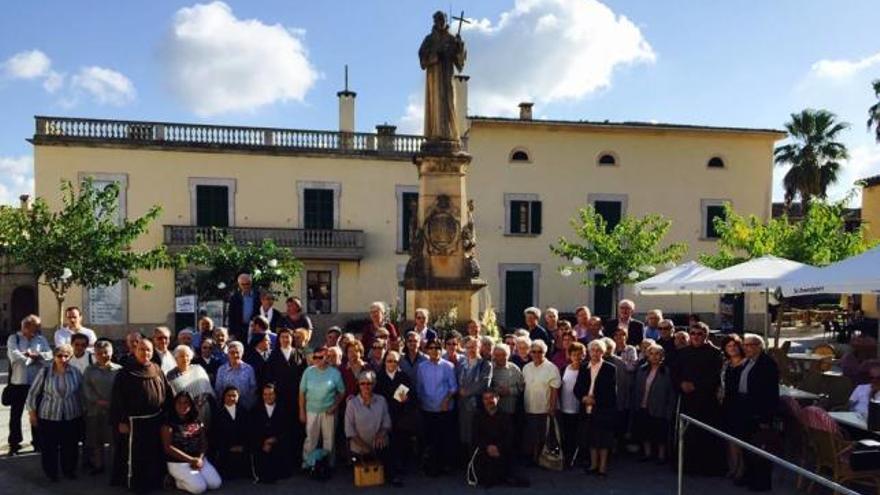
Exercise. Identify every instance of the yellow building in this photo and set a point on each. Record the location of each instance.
(871, 222)
(340, 199)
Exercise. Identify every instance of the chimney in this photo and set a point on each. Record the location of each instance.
(460, 85)
(525, 110)
(385, 137)
(25, 202)
(346, 107)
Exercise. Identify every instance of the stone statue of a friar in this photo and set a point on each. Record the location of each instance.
(440, 54)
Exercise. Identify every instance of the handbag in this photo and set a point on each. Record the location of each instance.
(551, 455)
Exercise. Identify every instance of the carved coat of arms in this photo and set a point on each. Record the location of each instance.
(442, 227)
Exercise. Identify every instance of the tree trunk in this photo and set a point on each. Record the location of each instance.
(779, 312)
(59, 298)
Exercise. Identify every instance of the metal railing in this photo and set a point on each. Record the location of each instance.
(684, 421)
(219, 136)
(186, 235)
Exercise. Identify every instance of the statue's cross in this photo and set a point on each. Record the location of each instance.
(460, 20)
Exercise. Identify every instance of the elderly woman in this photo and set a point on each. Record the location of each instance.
(321, 391)
(569, 403)
(597, 391)
(207, 359)
(523, 351)
(97, 392)
(238, 374)
(221, 343)
(473, 328)
(377, 321)
(294, 317)
(368, 423)
(542, 384)
(403, 406)
(185, 337)
(204, 330)
(655, 400)
(472, 375)
(194, 380)
(334, 356)
(355, 364)
(185, 441)
(54, 406)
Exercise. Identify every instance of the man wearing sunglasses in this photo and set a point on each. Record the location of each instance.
(699, 378)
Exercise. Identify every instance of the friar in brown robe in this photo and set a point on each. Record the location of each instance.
(439, 55)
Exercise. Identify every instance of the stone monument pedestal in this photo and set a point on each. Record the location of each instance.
(443, 272)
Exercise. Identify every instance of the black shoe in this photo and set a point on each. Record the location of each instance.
(14, 449)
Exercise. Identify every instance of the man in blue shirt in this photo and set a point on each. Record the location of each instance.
(436, 389)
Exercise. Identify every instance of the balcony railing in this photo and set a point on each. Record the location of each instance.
(219, 137)
(305, 243)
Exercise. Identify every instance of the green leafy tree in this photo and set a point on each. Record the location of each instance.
(814, 154)
(85, 243)
(218, 264)
(818, 239)
(627, 253)
(874, 111)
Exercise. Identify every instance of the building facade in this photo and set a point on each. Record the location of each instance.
(343, 200)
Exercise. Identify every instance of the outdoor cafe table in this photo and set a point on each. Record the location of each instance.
(814, 360)
(851, 419)
(798, 394)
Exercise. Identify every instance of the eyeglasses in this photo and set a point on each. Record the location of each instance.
(318, 357)
(63, 356)
(536, 351)
(367, 384)
(392, 361)
(434, 348)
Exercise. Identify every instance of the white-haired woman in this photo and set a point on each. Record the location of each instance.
(597, 391)
(238, 374)
(542, 382)
(193, 379)
(378, 320)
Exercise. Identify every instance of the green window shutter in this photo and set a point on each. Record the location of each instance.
(318, 209)
(409, 213)
(212, 206)
(516, 209)
(535, 217)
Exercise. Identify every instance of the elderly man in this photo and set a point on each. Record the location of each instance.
(132, 340)
(412, 357)
(652, 324)
(243, 306)
(162, 354)
(97, 393)
(593, 330)
(28, 352)
(73, 316)
(551, 324)
(436, 387)
(506, 379)
(759, 393)
(139, 398)
(368, 423)
(267, 310)
(452, 350)
(426, 333)
(582, 315)
(542, 382)
(635, 328)
(536, 331)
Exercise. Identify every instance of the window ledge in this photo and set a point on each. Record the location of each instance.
(509, 234)
(708, 239)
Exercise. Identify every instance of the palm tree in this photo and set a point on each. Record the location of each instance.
(814, 154)
(874, 111)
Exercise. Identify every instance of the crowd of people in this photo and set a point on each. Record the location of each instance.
(259, 400)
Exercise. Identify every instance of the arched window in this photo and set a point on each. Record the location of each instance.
(607, 159)
(520, 155)
(715, 162)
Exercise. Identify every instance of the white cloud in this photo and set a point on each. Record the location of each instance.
(843, 69)
(218, 63)
(548, 51)
(31, 64)
(53, 82)
(16, 178)
(413, 120)
(105, 86)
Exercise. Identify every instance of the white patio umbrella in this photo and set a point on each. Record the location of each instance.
(670, 282)
(762, 274)
(856, 275)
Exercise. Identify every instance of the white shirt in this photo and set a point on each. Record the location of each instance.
(860, 398)
(570, 404)
(270, 409)
(63, 334)
(286, 352)
(167, 360)
(539, 381)
(231, 410)
(82, 362)
(267, 313)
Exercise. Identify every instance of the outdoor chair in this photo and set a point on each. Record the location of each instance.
(839, 389)
(786, 373)
(795, 441)
(831, 451)
(826, 350)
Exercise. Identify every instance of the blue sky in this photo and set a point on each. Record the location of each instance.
(279, 63)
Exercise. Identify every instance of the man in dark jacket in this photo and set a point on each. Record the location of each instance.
(243, 305)
(759, 392)
(624, 319)
(493, 441)
(536, 331)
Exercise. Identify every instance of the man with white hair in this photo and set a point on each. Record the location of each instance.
(652, 324)
(536, 331)
(97, 391)
(28, 352)
(426, 333)
(759, 393)
(635, 328)
(243, 306)
(505, 379)
(162, 355)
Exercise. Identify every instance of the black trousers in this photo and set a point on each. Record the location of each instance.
(570, 424)
(59, 443)
(440, 438)
(18, 395)
(758, 471)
